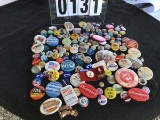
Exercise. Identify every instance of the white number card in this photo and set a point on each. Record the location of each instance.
(78, 7)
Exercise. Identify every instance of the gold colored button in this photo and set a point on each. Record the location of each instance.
(55, 55)
(42, 64)
(53, 75)
(115, 46)
(110, 93)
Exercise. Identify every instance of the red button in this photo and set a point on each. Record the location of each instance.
(60, 60)
(138, 94)
(118, 57)
(36, 62)
(88, 90)
(132, 44)
(126, 78)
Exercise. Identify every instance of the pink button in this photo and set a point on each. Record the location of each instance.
(109, 26)
(98, 38)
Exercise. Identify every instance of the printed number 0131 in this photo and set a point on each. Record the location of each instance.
(78, 7)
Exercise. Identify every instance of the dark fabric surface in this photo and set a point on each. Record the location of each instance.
(19, 23)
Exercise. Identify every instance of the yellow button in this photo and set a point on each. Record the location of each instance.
(53, 75)
(56, 32)
(108, 72)
(110, 93)
(81, 24)
(75, 36)
(42, 64)
(115, 46)
(55, 55)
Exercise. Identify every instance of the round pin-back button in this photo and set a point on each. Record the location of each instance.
(52, 41)
(134, 53)
(115, 46)
(123, 48)
(90, 74)
(90, 51)
(53, 89)
(102, 100)
(42, 64)
(145, 88)
(53, 75)
(136, 63)
(107, 46)
(67, 75)
(124, 95)
(75, 36)
(76, 90)
(88, 66)
(55, 55)
(44, 58)
(36, 62)
(37, 48)
(99, 91)
(101, 84)
(39, 75)
(83, 101)
(40, 39)
(36, 93)
(109, 26)
(69, 26)
(98, 38)
(87, 59)
(36, 56)
(75, 80)
(118, 57)
(118, 88)
(112, 65)
(103, 43)
(108, 72)
(36, 69)
(83, 49)
(74, 50)
(111, 79)
(142, 81)
(66, 41)
(125, 63)
(56, 32)
(49, 53)
(60, 60)
(68, 65)
(145, 72)
(132, 44)
(110, 93)
(52, 65)
(36, 82)
(50, 106)
(126, 78)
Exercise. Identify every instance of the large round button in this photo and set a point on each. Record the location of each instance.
(68, 65)
(145, 72)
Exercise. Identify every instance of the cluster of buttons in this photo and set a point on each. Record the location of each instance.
(69, 53)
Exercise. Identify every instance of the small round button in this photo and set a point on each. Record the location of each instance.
(83, 101)
(90, 74)
(110, 93)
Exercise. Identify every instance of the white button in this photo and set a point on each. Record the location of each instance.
(90, 74)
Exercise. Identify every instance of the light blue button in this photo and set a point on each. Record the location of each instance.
(68, 65)
(52, 41)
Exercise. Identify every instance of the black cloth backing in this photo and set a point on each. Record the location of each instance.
(20, 21)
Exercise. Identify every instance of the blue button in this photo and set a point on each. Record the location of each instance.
(66, 75)
(53, 89)
(68, 65)
(90, 51)
(79, 62)
(74, 57)
(46, 48)
(39, 75)
(52, 41)
(36, 82)
(65, 82)
(66, 58)
(89, 66)
(44, 58)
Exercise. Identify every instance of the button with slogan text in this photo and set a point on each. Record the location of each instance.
(36, 62)
(74, 50)
(52, 41)
(52, 65)
(37, 48)
(145, 72)
(53, 89)
(68, 65)
(118, 57)
(50, 106)
(145, 88)
(134, 53)
(138, 94)
(125, 63)
(76, 90)
(126, 78)
(88, 90)
(90, 74)
(136, 63)
(112, 65)
(124, 95)
(102, 100)
(110, 93)
(36, 93)
(98, 38)
(83, 101)
(75, 79)
(118, 88)
(36, 69)
(132, 44)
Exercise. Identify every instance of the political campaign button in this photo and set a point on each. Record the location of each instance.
(36, 62)
(118, 57)
(98, 38)
(77, 30)
(50, 32)
(66, 41)
(74, 50)
(62, 50)
(78, 68)
(118, 88)
(88, 66)
(36, 93)
(40, 39)
(42, 53)
(60, 60)
(53, 89)
(74, 42)
(134, 53)
(75, 79)
(52, 41)
(112, 65)
(83, 101)
(125, 63)
(67, 47)
(36, 69)
(90, 51)
(124, 95)
(87, 59)
(108, 72)
(123, 48)
(66, 35)
(44, 58)
(36, 82)
(126, 78)
(43, 32)
(69, 26)
(36, 56)
(66, 57)
(145, 72)
(100, 47)
(128, 56)
(80, 39)
(69, 95)
(110, 93)
(99, 91)
(65, 82)
(109, 26)
(107, 46)
(49, 53)
(52, 65)
(142, 81)
(56, 32)
(88, 90)
(74, 57)
(50, 106)
(102, 100)
(111, 79)
(81, 24)
(115, 46)
(103, 43)
(67, 75)
(95, 43)
(138, 94)
(74, 36)
(39, 75)
(46, 48)
(68, 65)
(132, 44)
(83, 49)
(52, 28)
(79, 62)
(90, 74)
(37, 48)
(55, 55)
(53, 75)
(101, 84)
(145, 88)
(78, 93)
(42, 64)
